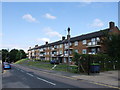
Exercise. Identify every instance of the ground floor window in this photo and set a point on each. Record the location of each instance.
(84, 51)
(65, 60)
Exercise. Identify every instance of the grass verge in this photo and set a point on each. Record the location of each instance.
(47, 65)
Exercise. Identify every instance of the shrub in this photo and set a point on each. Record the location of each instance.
(106, 62)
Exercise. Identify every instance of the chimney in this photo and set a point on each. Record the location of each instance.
(36, 45)
(111, 25)
(63, 37)
(29, 47)
(46, 43)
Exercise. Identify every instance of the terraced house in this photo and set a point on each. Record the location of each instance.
(90, 43)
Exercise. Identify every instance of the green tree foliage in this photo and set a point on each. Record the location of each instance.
(113, 45)
(16, 55)
(106, 62)
(13, 54)
(5, 55)
(76, 57)
(23, 54)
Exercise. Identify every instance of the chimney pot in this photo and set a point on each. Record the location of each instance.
(63, 37)
(36, 45)
(111, 24)
(46, 43)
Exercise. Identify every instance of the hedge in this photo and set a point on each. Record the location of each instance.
(106, 62)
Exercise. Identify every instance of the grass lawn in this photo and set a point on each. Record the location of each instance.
(45, 65)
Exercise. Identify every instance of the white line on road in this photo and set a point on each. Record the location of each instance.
(29, 74)
(46, 81)
(21, 70)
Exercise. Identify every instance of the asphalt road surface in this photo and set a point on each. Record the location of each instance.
(27, 78)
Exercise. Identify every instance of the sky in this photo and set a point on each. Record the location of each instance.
(26, 24)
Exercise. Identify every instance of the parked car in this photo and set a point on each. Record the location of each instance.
(54, 61)
(6, 65)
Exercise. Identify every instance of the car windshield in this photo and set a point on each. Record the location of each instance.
(6, 64)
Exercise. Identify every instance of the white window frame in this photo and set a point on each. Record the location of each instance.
(84, 51)
(76, 50)
(84, 42)
(61, 45)
(76, 43)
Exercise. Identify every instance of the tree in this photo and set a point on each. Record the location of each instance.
(5, 55)
(22, 54)
(18, 55)
(113, 45)
(13, 54)
(76, 57)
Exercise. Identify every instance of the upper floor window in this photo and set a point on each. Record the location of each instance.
(98, 39)
(57, 46)
(93, 39)
(70, 44)
(84, 42)
(76, 43)
(60, 45)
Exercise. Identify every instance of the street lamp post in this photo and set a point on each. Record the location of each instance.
(68, 46)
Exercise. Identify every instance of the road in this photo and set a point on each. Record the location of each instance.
(28, 78)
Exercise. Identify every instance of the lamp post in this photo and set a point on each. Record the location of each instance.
(68, 37)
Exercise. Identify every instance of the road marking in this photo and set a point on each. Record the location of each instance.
(29, 74)
(105, 85)
(21, 70)
(46, 81)
(76, 79)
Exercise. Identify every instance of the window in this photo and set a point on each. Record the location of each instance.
(76, 50)
(70, 52)
(60, 45)
(60, 52)
(47, 53)
(98, 39)
(65, 52)
(84, 51)
(93, 51)
(84, 42)
(76, 43)
(70, 44)
(65, 60)
(93, 39)
(55, 46)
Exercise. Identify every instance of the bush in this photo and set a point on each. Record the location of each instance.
(106, 62)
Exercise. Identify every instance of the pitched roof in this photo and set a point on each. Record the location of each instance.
(77, 38)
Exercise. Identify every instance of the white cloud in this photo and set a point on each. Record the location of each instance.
(51, 33)
(29, 18)
(43, 40)
(49, 16)
(97, 23)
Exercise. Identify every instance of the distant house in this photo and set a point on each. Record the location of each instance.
(90, 43)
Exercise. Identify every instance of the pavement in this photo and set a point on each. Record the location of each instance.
(107, 78)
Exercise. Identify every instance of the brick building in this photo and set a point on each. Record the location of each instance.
(90, 43)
